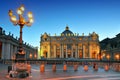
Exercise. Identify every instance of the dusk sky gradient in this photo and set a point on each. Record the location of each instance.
(52, 16)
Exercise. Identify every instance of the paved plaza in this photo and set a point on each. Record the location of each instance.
(70, 74)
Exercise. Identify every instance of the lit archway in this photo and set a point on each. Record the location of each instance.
(80, 55)
(94, 55)
(108, 56)
(30, 55)
(45, 53)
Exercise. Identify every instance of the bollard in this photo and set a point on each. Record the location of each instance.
(29, 68)
(95, 66)
(75, 67)
(86, 68)
(106, 67)
(64, 67)
(42, 68)
(116, 68)
(119, 67)
(54, 68)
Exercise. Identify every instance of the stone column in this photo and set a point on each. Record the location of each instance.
(3, 50)
(41, 51)
(90, 51)
(48, 54)
(54, 51)
(98, 51)
(72, 52)
(15, 51)
(62, 51)
(78, 55)
(8, 53)
(83, 51)
(76, 51)
(11, 51)
(66, 52)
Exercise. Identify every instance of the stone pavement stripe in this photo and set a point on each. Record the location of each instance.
(116, 78)
(70, 77)
(101, 77)
(35, 70)
(50, 69)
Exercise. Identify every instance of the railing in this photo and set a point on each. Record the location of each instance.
(61, 61)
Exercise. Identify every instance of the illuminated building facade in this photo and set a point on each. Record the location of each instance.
(110, 48)
(69, 45)
(9, 47)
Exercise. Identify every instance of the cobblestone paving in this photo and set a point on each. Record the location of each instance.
(70, 74)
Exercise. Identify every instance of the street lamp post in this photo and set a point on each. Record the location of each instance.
(20, 55)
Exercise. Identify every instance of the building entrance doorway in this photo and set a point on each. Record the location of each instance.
(80, 55)
(45, 54)
(69, 55)
(93, 55)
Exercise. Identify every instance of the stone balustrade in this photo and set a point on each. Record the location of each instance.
(107, 65)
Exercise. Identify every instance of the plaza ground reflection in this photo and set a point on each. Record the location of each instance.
(70, 74)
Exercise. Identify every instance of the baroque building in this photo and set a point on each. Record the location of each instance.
(9, 47)
(110, 48)
(69, 45)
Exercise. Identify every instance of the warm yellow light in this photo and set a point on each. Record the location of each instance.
(13, 18)
(108, 57)
(30, 55)
(117, 56)
(103, 54)
(101, 57)
(35, 56)
(30, 14)
(19, 11)
(22, 7)
(22, 52)
(31, 20)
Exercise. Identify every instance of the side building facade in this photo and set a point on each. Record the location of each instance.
(110, 48)
(9, 47)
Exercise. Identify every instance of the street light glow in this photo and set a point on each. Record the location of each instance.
(31, 20)
(108, 56)
(13, 18)
(30, 15)
(22, 7)
(117, 57)
(21, 22)
(19, 11)
(30, 55)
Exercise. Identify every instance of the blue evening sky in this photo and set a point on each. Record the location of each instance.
(52, 16)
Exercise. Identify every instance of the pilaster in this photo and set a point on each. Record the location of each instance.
(83, 51)
(76, 51)
(54, 51)
(72, 52)
(66, 52)
(3, 50)
(48, 51)
(62, 50)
